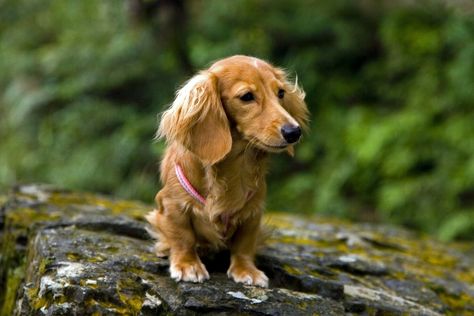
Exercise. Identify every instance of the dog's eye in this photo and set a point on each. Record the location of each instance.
(281, 93)
(247, 97)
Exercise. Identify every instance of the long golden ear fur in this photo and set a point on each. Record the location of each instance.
(197, 120)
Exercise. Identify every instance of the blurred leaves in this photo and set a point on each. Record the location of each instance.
(389, 85)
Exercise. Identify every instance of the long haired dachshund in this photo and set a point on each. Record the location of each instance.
(219, 131)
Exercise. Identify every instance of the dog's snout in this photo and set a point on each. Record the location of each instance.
(291, 133)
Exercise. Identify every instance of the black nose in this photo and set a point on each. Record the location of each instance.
(291, 133)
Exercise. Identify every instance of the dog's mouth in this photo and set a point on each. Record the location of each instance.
(270, 147)
(276, 147)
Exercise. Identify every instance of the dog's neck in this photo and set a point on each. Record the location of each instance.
(243, 166)
(243, 158)
(241, 146)
(227, 184)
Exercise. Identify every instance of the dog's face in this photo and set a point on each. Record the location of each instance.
(265, 108)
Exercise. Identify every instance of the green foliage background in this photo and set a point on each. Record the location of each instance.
(390, 86)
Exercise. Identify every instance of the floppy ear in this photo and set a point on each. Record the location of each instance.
(293, 101)
(197, 120)
(295, 105)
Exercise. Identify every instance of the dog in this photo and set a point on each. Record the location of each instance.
(219, 131)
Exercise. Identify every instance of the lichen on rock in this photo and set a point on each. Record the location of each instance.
(66, 253)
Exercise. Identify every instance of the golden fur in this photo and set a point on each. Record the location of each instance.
(221, 142)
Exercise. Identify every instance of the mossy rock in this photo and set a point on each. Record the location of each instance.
(70, 253)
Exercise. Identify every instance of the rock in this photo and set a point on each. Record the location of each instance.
(69, 253)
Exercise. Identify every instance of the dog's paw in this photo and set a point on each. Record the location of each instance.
(189, 272)
(248, 275)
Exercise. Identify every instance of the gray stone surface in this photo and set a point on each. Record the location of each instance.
(70, 253)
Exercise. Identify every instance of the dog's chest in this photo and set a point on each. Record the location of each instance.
(236, 182)
(239, 179)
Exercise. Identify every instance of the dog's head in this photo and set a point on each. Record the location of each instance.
(240, 92)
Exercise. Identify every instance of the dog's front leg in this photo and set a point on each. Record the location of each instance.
(243, 247)
(175, 226)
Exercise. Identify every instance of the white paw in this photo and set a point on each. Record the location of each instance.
(250, 276)
(195, 272)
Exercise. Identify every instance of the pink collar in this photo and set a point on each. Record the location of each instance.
(225, 218)
(187, 185)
